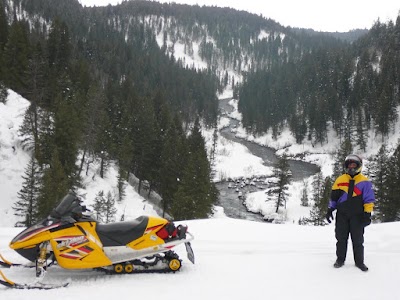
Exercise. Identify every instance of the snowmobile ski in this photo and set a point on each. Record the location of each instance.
(5, 263)
(29, 286)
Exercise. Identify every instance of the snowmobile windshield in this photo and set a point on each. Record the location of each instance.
(70, 206)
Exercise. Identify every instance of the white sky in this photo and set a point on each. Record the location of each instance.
(341, 15)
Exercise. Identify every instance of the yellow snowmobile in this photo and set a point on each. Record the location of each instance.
(74, 240)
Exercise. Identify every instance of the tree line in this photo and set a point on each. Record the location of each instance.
(351, 88)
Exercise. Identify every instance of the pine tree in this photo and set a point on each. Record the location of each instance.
(3, 93)
(345, 149)
(104, 207)
(36, 76)
(3, 40)
(46, 133)
(94, 118)
(55, 185)
(304, 194)
(391, 209)
(121, 184)
(16, 58)
(282, 172)
(110, 210)
(33, 116)
(103, 143)
(163, 122)
(66, 137)
(321, 195)
(3, 30)
(362, 133)
(173, 161)
(27, 205)
(59, 55)
(196, 193)
(144, 140)
(98, 206)
(378, 170)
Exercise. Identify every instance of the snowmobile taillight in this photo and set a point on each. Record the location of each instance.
(169, 231)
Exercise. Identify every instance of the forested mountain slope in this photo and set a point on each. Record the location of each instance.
(104, 83)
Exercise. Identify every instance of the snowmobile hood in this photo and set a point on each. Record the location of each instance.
(31, 232)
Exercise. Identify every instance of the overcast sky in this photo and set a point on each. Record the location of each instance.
(342, 15)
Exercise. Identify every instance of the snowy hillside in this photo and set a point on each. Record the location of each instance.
(13, 161)
(12, 158)
(13, 164)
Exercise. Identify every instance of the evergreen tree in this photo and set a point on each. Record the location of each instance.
(104, 144)
(16, 58)
(110, 209)
(30, 130)
(144, 138)
(362, 133)
(3, 40)
(282, 172)
(36, 77)
(98, 206)
(3, 30)
(321, 195)
(173, 162)
(378, 171)
(163, 120)
(55, 185)
(345, 149)
(94, 117)
(121, 185)
(27, 205)
(391, 209)
(196, 193)
(104, 207)
(304, 195)
(66, 137)
(46, 133)
(3, 93)
(59, 55)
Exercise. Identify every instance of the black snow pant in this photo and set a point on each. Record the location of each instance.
(354, 226)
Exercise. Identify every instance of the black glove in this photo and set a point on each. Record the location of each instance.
(329, 216)
(366, 219)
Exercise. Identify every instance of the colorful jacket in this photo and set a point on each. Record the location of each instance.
(361, 200)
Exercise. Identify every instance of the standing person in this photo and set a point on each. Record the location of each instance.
(353, 198)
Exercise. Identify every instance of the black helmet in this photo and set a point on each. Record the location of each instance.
(353, 158)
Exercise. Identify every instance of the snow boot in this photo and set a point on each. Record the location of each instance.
(362, 267)
(338, 264)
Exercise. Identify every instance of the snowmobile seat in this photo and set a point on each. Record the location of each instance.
(121, 233)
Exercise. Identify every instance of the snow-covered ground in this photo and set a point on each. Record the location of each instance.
(238, 260)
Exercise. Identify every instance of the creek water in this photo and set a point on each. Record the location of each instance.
(229, 196)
